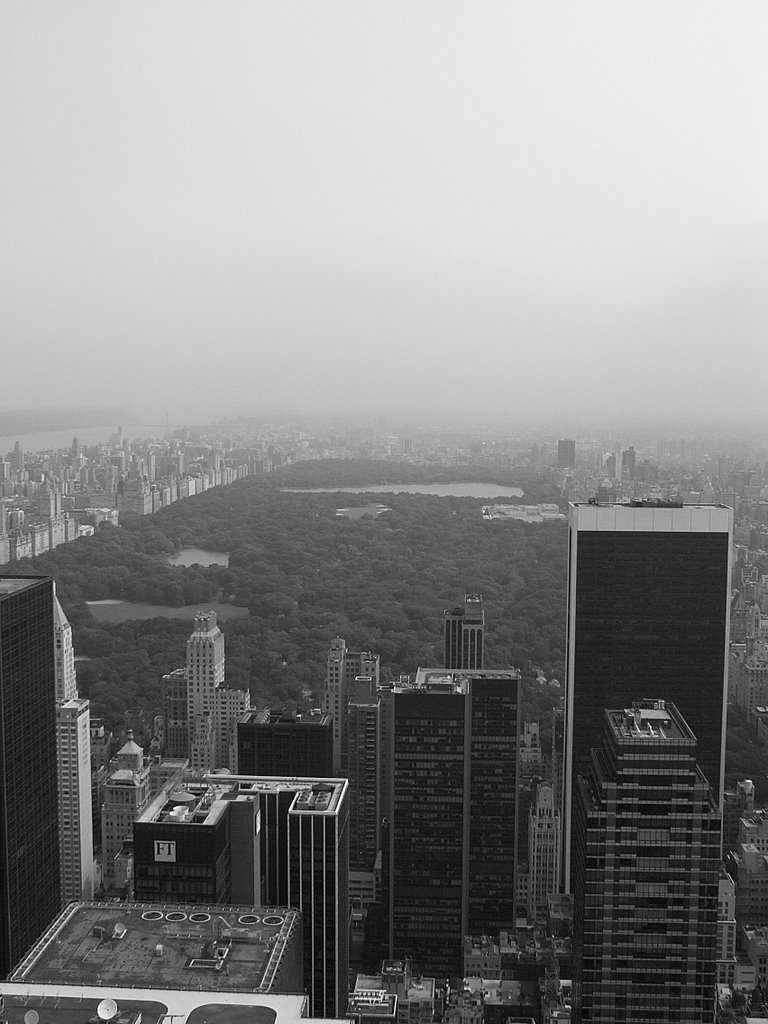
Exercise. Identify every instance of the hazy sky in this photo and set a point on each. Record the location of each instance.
(240, 205)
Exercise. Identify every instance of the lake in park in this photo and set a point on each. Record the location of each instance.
(459, 490)
(197, 556)
(122, 611)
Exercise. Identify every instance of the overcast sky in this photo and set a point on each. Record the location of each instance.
(246, 205)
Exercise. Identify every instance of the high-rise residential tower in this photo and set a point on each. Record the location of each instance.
(648, 605)
(30, 884)
(463, 634)
(646, 869)
(453, 812)
(343, 668)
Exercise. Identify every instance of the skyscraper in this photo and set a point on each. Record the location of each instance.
(648, 601)
(200, 712)
(282, 742)
(343, 668)
(543, 849)
(73, 752)
(29, 820)
(126, 794)
(646, 867)
(463, 629)
(566, 453)
(453, 812)
(363, 771)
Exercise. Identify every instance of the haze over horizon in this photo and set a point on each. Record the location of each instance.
(535, 209)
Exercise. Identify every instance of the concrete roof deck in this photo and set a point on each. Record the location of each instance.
(216, 948)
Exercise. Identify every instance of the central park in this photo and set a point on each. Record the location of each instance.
(298, 575)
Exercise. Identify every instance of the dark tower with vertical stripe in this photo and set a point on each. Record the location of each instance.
(29, 813)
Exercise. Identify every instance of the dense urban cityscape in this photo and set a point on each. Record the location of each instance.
(383, 512)
(409, 847)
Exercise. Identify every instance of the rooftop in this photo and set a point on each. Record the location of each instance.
(162, 946)
(372, 1002)
(651, 517)
(649, 720)
(285, 716)
(205, 803)
(443, 680)
(14, 584)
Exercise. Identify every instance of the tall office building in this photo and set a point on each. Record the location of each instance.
(646, 868)
(126, 794)
(175, 714)
(200, 712)
(213, 710)
(30, 885)
(282, 742)
(265, 842)
(566, 453)
(343, 668)
(543, 850)
(463, 634)
(363, 770)
(78, 875)
(453, 812)
(648, 603)
(73, 752)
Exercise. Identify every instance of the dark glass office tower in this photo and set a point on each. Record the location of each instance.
(29, 813)
(648, 602)
(463, 634)
(282, 742)
(453, 813)
(646, 867)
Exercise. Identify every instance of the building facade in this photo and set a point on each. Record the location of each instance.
(543, 850)
(126, 794)
(30, 884)
(646, 870)
(342, 669)
(283, 742)
(212, 710)
(200, 714)
(463, 634)
(648, 605)
(73, 753)
(453, 812)
(363, 771)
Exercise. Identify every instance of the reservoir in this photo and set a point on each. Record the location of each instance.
(456, 490)
(198, 556)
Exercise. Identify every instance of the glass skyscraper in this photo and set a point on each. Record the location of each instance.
(29, 813)
(453, 812)
(648, 605)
